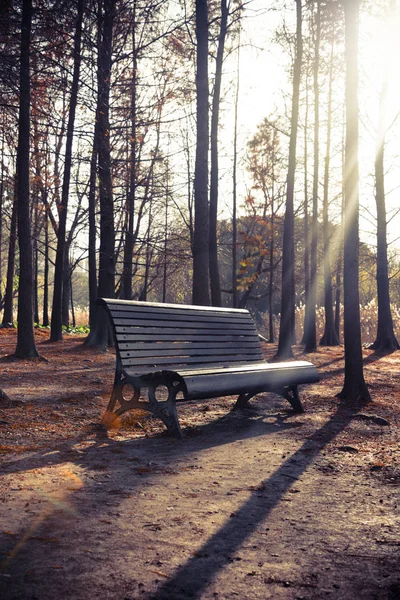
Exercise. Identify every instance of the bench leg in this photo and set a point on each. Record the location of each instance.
(292, 396)
(117, 397)
(243, 400)
(290, 393)
(166, 409)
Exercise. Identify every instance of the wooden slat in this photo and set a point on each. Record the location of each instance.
(171, 336)
(212, 355)
(187, 361)
(162, 321)
(188, 316)
(165, 346)
(155, 334)
(170, 323)
(110, 302)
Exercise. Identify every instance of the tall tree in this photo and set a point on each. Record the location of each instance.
(385, 338)
(201, 290)
(310, 331)
(59, 275)
(130, 201)
(26, 347)
(101, 334)
(355, 388)
(234, 184)
(330, 336)
(215, 283)
(8, 317)
(286, 331)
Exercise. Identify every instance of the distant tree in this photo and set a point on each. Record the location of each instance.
(8, 317)
(201, 291)
(59, 275)
(310, 332)
(330, 336)
(286, 331)
(354, 389)
(215, 284)
(385, 337)
(265, 166)
(26, 347)
(101, 334)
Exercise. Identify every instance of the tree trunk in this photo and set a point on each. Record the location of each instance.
(385, 338)
(201, 293)
(234, 182)
(130, 202)
(330, 337)
(66, 288)
(8, 317)
(46, 271)
(306, 222)
(215, 283)
(310, 331)
(101, 333)
(26, 347)
(286, 331)
(354, 389)
(1, 213)
(56, 314)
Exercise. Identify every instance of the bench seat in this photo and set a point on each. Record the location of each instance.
(195, 353)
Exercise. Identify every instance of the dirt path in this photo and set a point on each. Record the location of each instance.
(262, 504)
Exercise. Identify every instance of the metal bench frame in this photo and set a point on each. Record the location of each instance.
(157, 346)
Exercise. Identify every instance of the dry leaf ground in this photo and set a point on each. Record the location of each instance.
(253, 505)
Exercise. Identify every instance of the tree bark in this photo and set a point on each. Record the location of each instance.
(8, 317)
(26, 347)
(354, 389)
(286, 331)
(56, 314)
(130, 202)
(215, 283)
(101, 333)
(234, 183)
(330, 337)
(200, 291)
(385, 340)
(310, 332)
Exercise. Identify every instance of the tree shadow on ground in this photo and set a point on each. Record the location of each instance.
(192, 578)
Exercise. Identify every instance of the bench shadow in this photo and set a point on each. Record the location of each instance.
(192, 578)
(233, 426)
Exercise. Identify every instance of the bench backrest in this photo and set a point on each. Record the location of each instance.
(150, 336)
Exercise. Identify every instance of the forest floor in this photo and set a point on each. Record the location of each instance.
(255, 504)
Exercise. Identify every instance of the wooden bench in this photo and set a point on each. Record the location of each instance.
(193, 351)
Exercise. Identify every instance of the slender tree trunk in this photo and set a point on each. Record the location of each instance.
(101, 333)
(341, 234)
(215, 283)
(1, 213)
(306, 218)
(310, 333)
(234, 182)
(286, 331)
(92, 279)
(354, 389)
(26, 347)
(129, 234)
(66, 288)
(330, 337)
(201, 292)
(46, 271)
(56, 314)
(271, 336)
(8, 317)
(385, 337)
